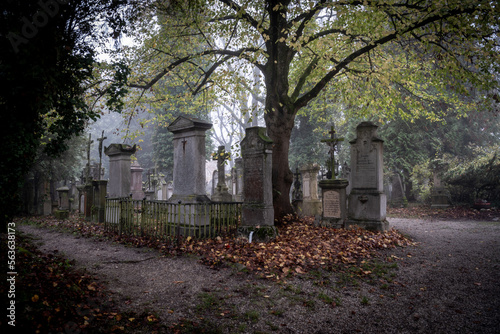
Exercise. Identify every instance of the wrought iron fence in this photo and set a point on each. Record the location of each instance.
(161, 219)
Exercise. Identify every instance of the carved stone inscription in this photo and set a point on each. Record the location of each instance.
(331, 204)
(254, 179)
(365, 170)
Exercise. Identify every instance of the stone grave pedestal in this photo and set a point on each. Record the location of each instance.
(136, 181)
(334, 200)
(189, 171)
(99, 207)
(63, 210)
(119, 169)
(367, 200)
(440, 196)
(311, 205)
(257, 210)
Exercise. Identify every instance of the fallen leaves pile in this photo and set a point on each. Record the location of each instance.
(52, 296)
(300, 247)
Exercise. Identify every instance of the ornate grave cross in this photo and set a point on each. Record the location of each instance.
(221, 156)
(88, 158)
(100, 140)
(332, 142)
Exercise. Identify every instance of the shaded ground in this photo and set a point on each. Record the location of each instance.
(446, 283)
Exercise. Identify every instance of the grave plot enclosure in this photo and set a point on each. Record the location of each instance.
(164, 220)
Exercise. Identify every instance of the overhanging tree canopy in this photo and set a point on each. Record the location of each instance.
(377, 56)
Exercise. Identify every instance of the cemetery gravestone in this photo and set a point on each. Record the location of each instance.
(221, 193)
(136, 181)
(238, 182)
(257, 210)
(440, 196)
(189, 159)
(63, 210)
(119, 169)
(311, 205)
(333, 191)
(189, 173)
(367, 200)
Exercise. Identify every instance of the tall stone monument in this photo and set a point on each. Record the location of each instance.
(367, 200)
(119, 169)
(189, 159)
(257, 211)
(333, 190)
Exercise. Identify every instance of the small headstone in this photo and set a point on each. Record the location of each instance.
(398, 198)
(440, 196)
(367, 200)
(136, 181)
(63, 210)
(311, 204)
(257, 211)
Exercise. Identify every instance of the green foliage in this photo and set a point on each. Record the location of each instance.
(419, 60)
(45, 63)
(477, 177)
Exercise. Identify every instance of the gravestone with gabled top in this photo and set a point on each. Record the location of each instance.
(367, 200)
(189, 159)
(189, 174)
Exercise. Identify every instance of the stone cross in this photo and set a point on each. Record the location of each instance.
(221, 156)
(100, 140)
(88, 158)
(332, 142)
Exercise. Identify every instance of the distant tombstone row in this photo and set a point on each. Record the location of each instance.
(252, 179)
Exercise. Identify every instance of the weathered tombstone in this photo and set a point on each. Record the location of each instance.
(367, 200)
(189, 173)
(221, 193)
(440, 196)
(136, 181)
(63, 210)
(398, 198)
(311, 205)
(189, 159)
(119, 169)
(333, 191)
(257, 210)
(238, 175)
(215, 176)
(170, 189)
(100, 187)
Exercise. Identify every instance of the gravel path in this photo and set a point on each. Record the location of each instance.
(448, 283)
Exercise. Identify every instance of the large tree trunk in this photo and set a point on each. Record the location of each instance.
(280, 130)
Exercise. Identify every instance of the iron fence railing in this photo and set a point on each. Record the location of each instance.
(161, 219)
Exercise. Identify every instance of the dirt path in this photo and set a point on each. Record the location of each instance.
(449, 283)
